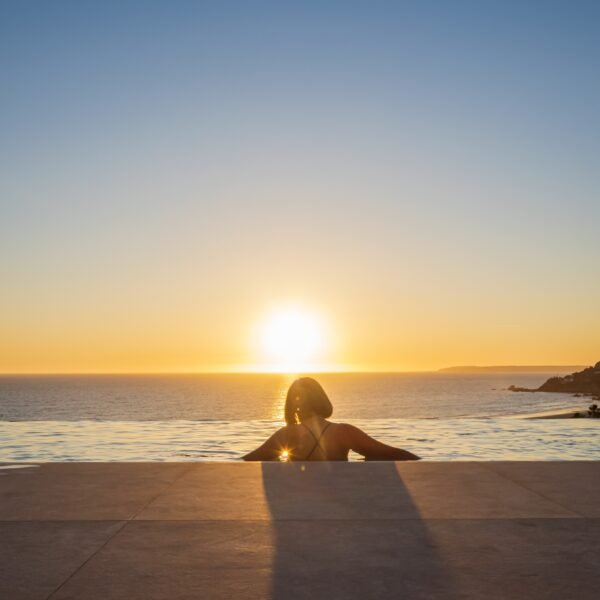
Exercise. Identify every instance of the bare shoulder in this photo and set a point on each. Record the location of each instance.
(346, 430)
(346, 427)
(285, 430)
(288, 432)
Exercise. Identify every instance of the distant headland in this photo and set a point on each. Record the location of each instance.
(513, 369)
(585, 382)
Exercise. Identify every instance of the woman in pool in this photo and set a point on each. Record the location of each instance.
(308, 435)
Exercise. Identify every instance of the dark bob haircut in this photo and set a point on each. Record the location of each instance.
(305, 398)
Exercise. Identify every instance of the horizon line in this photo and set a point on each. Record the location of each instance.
(276, 372)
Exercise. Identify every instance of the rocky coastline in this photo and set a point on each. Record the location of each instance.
(585, 383)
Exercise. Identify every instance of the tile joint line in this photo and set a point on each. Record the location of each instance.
(537, 493)
(124, 523)
(87, 560)
(169, 485)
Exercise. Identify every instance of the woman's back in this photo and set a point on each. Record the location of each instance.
(317, 439)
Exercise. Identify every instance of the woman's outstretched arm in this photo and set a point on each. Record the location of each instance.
(371, 449)
(270, 450)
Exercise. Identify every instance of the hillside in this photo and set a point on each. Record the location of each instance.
(586, 381)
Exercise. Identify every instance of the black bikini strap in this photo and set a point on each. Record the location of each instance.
(317, 439)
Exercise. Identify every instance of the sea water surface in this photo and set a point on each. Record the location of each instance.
(440, 416)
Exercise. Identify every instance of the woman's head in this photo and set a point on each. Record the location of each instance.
(306, 398)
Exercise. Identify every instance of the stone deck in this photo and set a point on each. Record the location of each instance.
(91, 531)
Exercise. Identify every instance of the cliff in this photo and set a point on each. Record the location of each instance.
(586, 381)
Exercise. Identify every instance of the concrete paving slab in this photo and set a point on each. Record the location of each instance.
(467, 490)
(347, 491)
(574, 485)
(83, 491)
(36, 557)
(314, 530)
(497, 559)
(517, 559)
(212, 491)
(156, 559)
(285, 491)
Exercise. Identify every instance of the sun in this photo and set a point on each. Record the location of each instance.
(292, 339)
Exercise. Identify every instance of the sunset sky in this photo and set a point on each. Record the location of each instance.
(417, 182)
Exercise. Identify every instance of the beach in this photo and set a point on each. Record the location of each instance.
(572, 412)
(148, 531)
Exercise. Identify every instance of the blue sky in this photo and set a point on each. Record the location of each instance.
(423, 168)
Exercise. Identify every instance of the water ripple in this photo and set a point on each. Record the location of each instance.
(182, 440)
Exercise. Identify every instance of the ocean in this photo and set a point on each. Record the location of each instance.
(440, 416)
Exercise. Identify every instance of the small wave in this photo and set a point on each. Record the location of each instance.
(451, 439)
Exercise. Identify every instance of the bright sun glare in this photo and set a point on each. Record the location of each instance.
(292, 339)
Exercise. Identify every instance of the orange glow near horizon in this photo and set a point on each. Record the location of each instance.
(332, 334)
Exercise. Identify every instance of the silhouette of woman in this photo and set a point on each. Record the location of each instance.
(308, 435)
